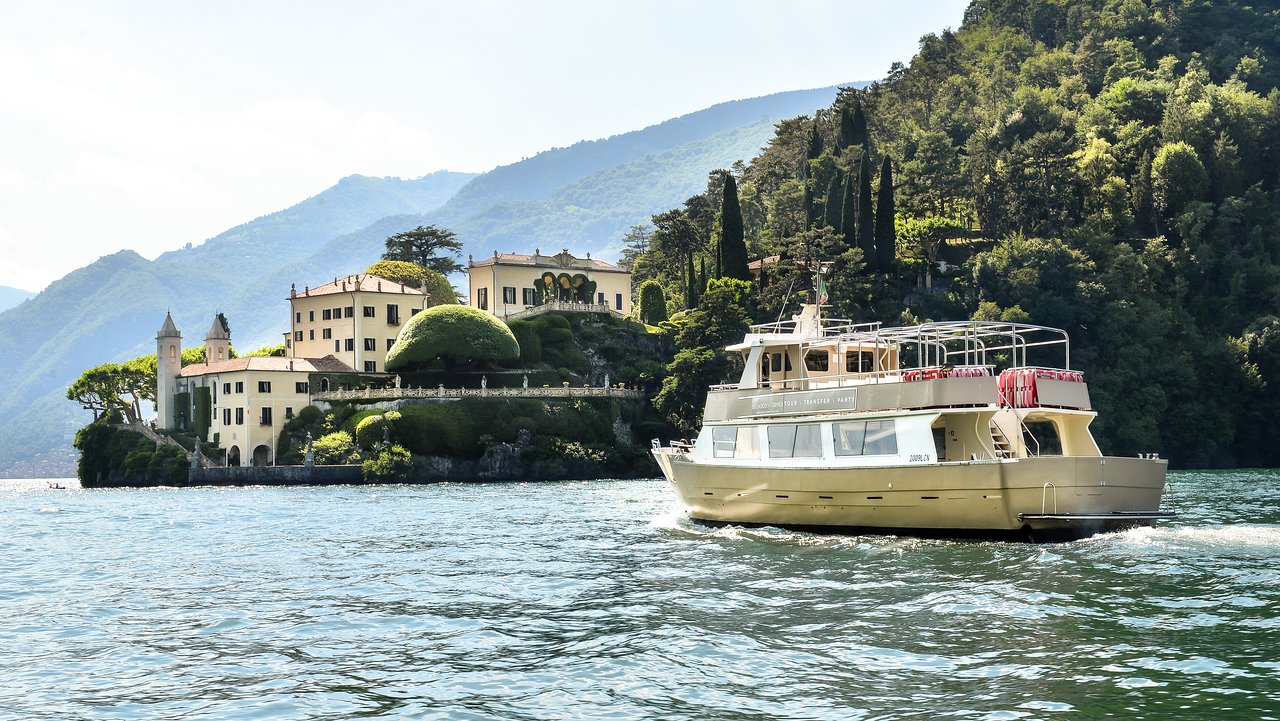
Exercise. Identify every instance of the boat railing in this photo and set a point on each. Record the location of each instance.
(830, 327)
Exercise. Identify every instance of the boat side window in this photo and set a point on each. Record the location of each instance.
(723, 441)
(817, 361)
(859, 361)
(735, 442)
(776, 362)
(865, 438)
(795, 441)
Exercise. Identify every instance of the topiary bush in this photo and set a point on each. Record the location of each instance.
(452, 334)
(369, 431)
(653, 303)
(526, 335)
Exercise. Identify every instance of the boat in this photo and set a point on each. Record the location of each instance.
(966, 428)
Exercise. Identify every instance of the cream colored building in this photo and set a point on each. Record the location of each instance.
(355, 319)
(251, 399)
(509, 283)
(241, 404)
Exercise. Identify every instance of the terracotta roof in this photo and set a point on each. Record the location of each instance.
(368, 283)
(771, 260)
(327, 364)
(563, 260)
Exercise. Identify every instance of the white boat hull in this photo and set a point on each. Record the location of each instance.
(1042, 496)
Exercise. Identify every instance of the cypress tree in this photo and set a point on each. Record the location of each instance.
(849, 213)
(719, 258)
(702, 273)
(690, 294)
(886, 234)
(858, 126)
(815, 141)
(733, 245)
(865, 222)
(845, 137)
(834, 208)
(1142, 205)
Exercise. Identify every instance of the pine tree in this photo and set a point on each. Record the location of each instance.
(733, 245)
(865, 221)
(886, 235)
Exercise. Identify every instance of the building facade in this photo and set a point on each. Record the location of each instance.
(354, 319)
(241, 404)
(509, 283)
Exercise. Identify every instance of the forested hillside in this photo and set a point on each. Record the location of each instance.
(1105, 166)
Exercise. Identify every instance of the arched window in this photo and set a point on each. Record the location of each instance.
(324, 384)
(173, 352)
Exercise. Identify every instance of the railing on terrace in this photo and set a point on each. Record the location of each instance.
(563, 307)
(442, 392)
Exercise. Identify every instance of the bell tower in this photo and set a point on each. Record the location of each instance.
(168, 363)
(217, 342)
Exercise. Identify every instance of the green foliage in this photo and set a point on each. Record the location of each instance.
(392, 464)
(700, 362)
(268, 351)
(1177, 178)
(452, 334)
(202, 415)
(526, 335)
(110, 455)
(434, 285)
(732, 242)
(334, 448)
(885, 232)
(432, 248)
(115, 386)
(653, 303)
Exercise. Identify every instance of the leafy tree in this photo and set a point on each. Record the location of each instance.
(1177, 178)
(266, 351)
(428, 246)
(115, 386)
(653, 303)
(452, 334)
(721, 319)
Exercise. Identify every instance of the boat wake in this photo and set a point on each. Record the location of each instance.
(1218, 537)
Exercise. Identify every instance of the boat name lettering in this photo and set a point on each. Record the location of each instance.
(765, 403)
(919, 458)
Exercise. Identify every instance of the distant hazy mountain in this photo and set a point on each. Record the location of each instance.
(110, 309)
(582, 197)
(10, 297)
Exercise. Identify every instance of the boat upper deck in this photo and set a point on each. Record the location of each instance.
(806, 365)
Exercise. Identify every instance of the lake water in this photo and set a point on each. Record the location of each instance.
(599, 601)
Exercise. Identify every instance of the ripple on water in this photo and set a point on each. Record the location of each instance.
(602, 600)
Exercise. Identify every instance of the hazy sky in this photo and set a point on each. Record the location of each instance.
(148, 125)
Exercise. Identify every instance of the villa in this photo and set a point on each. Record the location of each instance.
(511, 283)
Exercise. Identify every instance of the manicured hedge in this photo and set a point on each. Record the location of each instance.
(452, 334)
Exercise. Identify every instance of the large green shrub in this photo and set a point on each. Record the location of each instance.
(333, 448)
(391, 465)
(452, 334)
(526, 334)
(653, 303)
